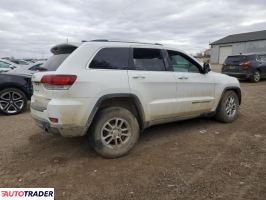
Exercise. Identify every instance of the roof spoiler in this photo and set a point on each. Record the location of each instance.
(63, 49)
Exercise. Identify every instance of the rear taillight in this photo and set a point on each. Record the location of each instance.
(245, 64)
(58, 82)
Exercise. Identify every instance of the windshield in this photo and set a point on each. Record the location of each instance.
(54, 62)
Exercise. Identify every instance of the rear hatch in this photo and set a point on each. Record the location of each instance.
(232, 63)
(41, 96)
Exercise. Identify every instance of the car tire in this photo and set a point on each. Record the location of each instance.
(228, 108)
(115, 131)
(12, 101)
(256, 76)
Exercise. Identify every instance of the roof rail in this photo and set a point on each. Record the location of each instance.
(105, 40)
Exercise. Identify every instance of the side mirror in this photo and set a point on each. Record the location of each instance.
(206, 68)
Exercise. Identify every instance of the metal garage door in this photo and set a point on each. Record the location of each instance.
(224, 52)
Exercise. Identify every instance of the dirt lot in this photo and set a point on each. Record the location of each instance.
(195, 159)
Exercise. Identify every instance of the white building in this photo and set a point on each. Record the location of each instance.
(251, 42)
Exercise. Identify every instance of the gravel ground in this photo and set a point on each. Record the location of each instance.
(193, 159)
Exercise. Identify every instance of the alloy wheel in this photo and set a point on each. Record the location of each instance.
(230, 106)
(115, 132)
(11, 102)
(256, 76)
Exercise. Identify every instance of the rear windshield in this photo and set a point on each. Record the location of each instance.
(54, 62)
(235, 59)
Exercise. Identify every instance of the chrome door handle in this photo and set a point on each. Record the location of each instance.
(139, 77)
(183, 78)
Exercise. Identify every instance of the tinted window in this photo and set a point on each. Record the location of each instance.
(148, 59)
(235, 60)
(54, 62)
(111, 58)
(4, 65)
(180, 63)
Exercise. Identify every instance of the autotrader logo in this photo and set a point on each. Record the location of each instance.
(26, 193)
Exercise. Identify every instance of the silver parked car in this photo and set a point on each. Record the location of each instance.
(30, 69)
(6, 65)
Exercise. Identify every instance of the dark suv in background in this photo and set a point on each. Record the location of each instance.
(246, 66)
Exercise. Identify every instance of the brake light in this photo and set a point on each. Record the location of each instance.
(245, 64)
(59, 79)
(58, 82)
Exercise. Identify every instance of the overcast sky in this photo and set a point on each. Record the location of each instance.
(28, 28)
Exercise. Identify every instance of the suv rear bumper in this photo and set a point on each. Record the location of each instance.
(240, 75)
(56, 129)
(46, 126)
(72, 116)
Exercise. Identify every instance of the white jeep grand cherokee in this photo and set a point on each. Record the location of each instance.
(112, 90)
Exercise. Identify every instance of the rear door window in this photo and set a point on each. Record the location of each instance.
(111, 58)
(148, 59)
(54, 62)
